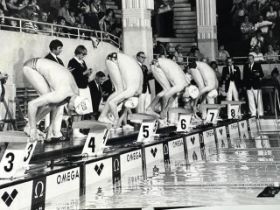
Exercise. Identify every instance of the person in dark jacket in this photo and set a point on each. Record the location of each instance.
(252, 78)
(55, 50)
(96, 92)
(231, 78)
(80, 73)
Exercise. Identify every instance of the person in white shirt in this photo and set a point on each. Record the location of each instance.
(258, 56)
(263, 25)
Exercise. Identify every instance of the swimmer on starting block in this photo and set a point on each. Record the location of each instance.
(56, 86)
(206, 80)
(127, 78)
(172, 80)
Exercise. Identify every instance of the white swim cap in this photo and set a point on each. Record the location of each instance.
(191, 92)
(131, 102)
(212, 94)
(81, 105)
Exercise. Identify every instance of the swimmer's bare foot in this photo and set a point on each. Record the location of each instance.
(105, 120)
(153, 113)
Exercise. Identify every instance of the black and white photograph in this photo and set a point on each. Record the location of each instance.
(140, 105)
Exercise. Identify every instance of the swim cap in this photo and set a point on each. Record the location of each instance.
(131, 102)
(81, 105)
(212, 94)
(191, 92)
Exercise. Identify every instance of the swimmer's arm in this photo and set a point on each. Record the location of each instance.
(202, 92)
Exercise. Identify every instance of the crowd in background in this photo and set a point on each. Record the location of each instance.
(86, 14)
(258, 21)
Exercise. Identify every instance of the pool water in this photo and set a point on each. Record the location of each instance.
(212, 177)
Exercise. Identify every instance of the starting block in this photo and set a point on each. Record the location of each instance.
(233, 109)
(210, 112)
(15, 154)
(97, 136)
(181, 118)
(149, 126)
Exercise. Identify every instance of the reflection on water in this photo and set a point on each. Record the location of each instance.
(224, 176)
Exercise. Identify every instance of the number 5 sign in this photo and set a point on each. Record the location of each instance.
(147, 131)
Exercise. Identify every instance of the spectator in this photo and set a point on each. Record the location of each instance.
(12, 7)
(247, 28)
(91, 18)
(106, 22)
(34, 7)
(195, 54)
(145, 97)
(271, 14)
(168, 50)
(45, 28)
(159, 49)
(263, 25)
(178, 54)
(231, 78)
(258, 56)
(64, 11)
(239, 14)
(223, 54)
(254, 13)
(270, 39)
(271, 56)
(252, 77)
(257, 40)
(80, 73)
(3, 5)
(62, 31)
(31, 26)
(96, 91)
(96, 7)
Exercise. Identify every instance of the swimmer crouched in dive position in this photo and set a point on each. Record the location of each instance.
(56, 86)
(206, 80)
(127, 78)
(172, 80)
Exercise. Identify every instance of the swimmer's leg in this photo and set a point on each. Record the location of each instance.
(166, 99)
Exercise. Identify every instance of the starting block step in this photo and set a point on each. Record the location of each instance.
(90, 124)
(139, 117)
(233, 102)
(13, 137)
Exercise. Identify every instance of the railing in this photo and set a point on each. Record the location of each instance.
(271, 59)
(18, 24)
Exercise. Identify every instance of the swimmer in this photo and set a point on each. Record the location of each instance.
(127, 78)
(206, 81)
(172, 80)
(56, 86)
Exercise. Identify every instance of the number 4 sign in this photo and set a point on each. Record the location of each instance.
(96, 142)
